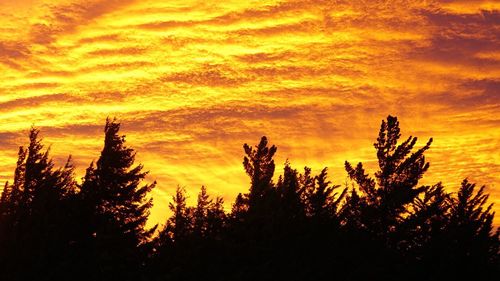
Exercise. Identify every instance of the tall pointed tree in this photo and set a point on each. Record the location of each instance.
(474, 242)
(35, 213)
(425, 231)
(386, 197)
(259, 165)
(290, 194)
(200, 213)
(115, 185)
(216, 218)
(322, 200)
(179, 225)
(118, 205)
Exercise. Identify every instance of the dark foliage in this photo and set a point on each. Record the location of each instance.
(301, 227)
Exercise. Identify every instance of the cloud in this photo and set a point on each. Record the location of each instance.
(101, 38)
(129, 51)
(460, 37)
(207, 75)
(11, 53)
(191, 83)
(65, 19)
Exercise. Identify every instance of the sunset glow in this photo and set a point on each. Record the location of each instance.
(192, 81)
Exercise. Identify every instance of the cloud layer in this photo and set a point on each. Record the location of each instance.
(192, 81)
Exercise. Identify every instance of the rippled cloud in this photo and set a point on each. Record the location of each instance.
(194, 80)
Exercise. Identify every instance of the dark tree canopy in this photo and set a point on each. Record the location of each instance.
(259, 166)
(385, 199)
(295, 226)
(114, 186)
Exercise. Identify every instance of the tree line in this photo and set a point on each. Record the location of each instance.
(301, 227)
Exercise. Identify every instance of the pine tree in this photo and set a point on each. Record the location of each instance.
(216, 218)
(259, 165)
(118, 205)
(200, 213)
(473, 243)
(384, 201)
(322, 200)
(239, 208)
(35, 213)
(179, 225)
(424, 238)
(290, 194)
(114, 184)
(11, 194)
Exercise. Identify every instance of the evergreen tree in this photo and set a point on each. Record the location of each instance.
(216, 219)
(473, 244)
(201, 212)
(11, 194)
(424, 243)
(179, 225)
(259, 166)
(239, 208)
(322, 200)
(34, 219)
(385, 199)
(118, 205)
(290, 192)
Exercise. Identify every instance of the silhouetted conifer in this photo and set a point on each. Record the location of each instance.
(473, 244)
(200, 213)
(179, 226)
(385, 199)
(240, 207)
(385, 227)
(119, 206)
(259, 165)
(35, 214)
(290, 192)
(322, 200)
(216, 219)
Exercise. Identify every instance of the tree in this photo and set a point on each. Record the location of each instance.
(290, 192)
(239, 208)
(200, 213)
(473, 243)
(322, 200)
(386, 198)
(35, 214)
(208, 216)
(259, 166)
(10, 199)
(425, 237)
(118, 204)
(179, 225)
(216, 218)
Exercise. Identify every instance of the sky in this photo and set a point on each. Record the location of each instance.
(192, 81)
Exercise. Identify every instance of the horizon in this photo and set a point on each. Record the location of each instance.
(160, 213)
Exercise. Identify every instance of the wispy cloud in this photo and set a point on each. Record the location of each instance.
(192, 81)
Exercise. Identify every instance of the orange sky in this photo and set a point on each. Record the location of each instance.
(192, 81)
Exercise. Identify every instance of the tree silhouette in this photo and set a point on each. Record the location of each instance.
(385, 199)
(35, 213)
(290, 192)
(473, 244)
(303, 227)
(200, 224)
(215, 219)
(179, 225)
(259, 166)
(321, 199)
(118, 204)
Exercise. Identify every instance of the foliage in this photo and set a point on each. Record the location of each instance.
(301, 227)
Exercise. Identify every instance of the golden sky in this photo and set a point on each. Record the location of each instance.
(192, 81)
